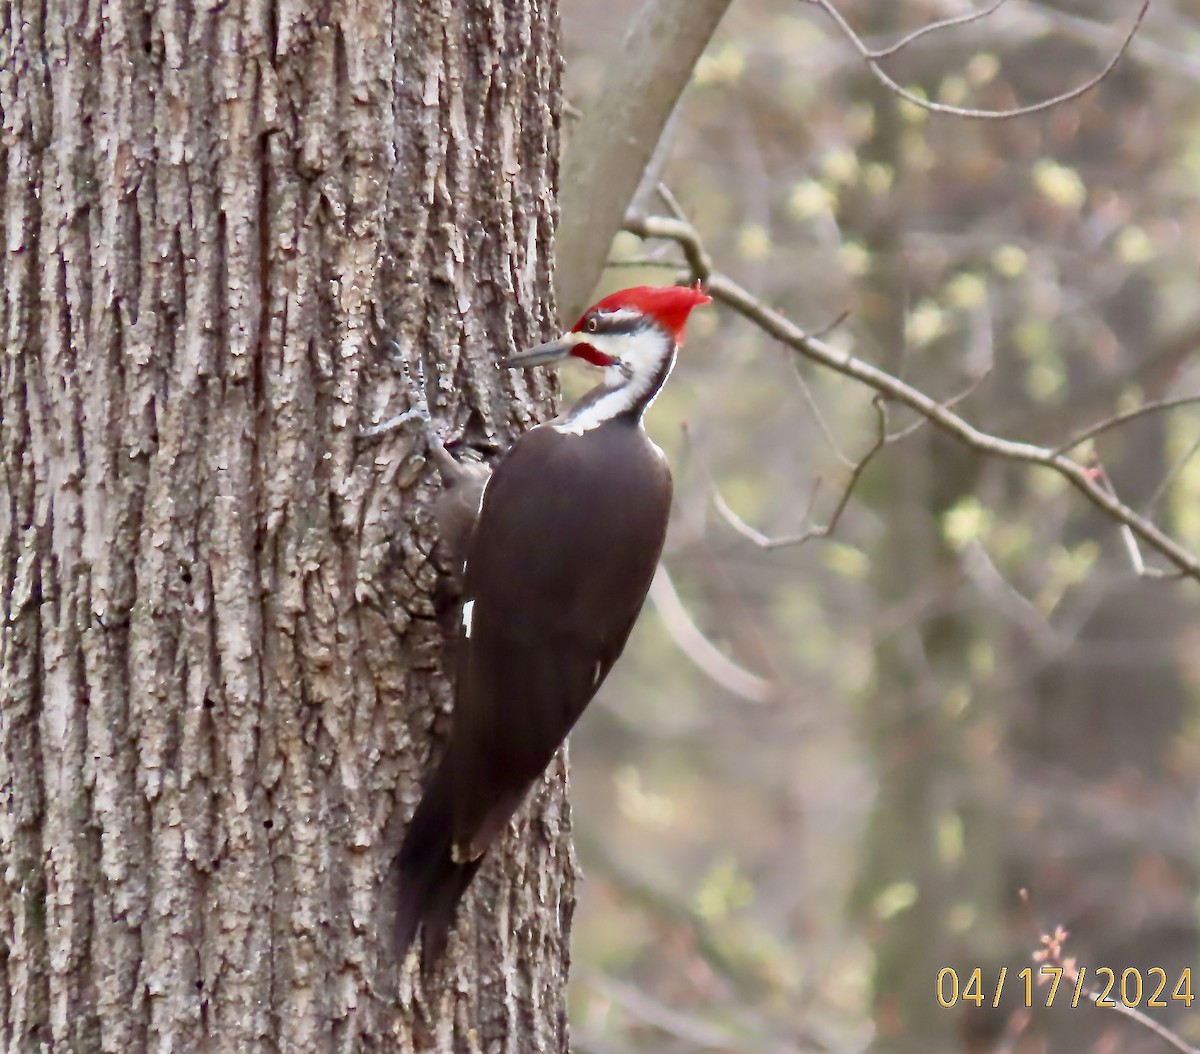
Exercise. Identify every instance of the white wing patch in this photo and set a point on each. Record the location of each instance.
(468, 613)
(596, 674)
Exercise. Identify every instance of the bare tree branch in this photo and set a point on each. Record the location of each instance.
(870, 58)
(1082, 478)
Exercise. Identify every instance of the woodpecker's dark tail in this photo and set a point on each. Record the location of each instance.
(430, 883)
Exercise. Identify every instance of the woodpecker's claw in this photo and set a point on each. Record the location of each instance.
(392, 423)
(416, 396)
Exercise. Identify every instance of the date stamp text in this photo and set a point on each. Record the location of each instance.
(1100, 985)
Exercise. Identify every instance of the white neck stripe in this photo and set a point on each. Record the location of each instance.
(640, 359)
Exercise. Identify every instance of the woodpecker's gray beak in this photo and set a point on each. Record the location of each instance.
(544, 354)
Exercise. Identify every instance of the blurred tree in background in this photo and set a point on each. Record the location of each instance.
(982, 722)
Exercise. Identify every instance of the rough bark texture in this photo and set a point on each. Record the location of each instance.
(222, 673)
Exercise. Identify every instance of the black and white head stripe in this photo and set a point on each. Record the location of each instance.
(640, 355)
(619, 322)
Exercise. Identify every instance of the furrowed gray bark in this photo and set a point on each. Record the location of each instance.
(616, 137)
(222, 676)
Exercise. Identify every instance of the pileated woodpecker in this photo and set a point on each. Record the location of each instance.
(568, 535)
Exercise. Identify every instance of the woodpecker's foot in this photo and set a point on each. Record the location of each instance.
(449, 468)
(414, 379)
(468, 476)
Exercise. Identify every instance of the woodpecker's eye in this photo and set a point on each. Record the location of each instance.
(593, 326)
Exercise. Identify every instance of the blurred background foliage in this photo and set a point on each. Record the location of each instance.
(982, 723)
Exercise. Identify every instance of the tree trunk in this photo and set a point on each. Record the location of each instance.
(222, 672)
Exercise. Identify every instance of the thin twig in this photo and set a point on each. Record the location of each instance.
(671, 202)
(933, 27)
(764, 541)
(1052, 952)
(1159, 58)
(1172, 475)
(1100, 473)
(813, 406)
(1128, 538)
(829, 327)
(819, 417)
(643, 261)
(1169, 1037)
(1159, 406)
(954, 400)
(725, 290)
(752, 534)
(882, 76)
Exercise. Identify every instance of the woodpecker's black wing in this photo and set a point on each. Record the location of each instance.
(568, 538)
(567, 541)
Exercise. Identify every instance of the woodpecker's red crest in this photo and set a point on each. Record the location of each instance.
(667, 306)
